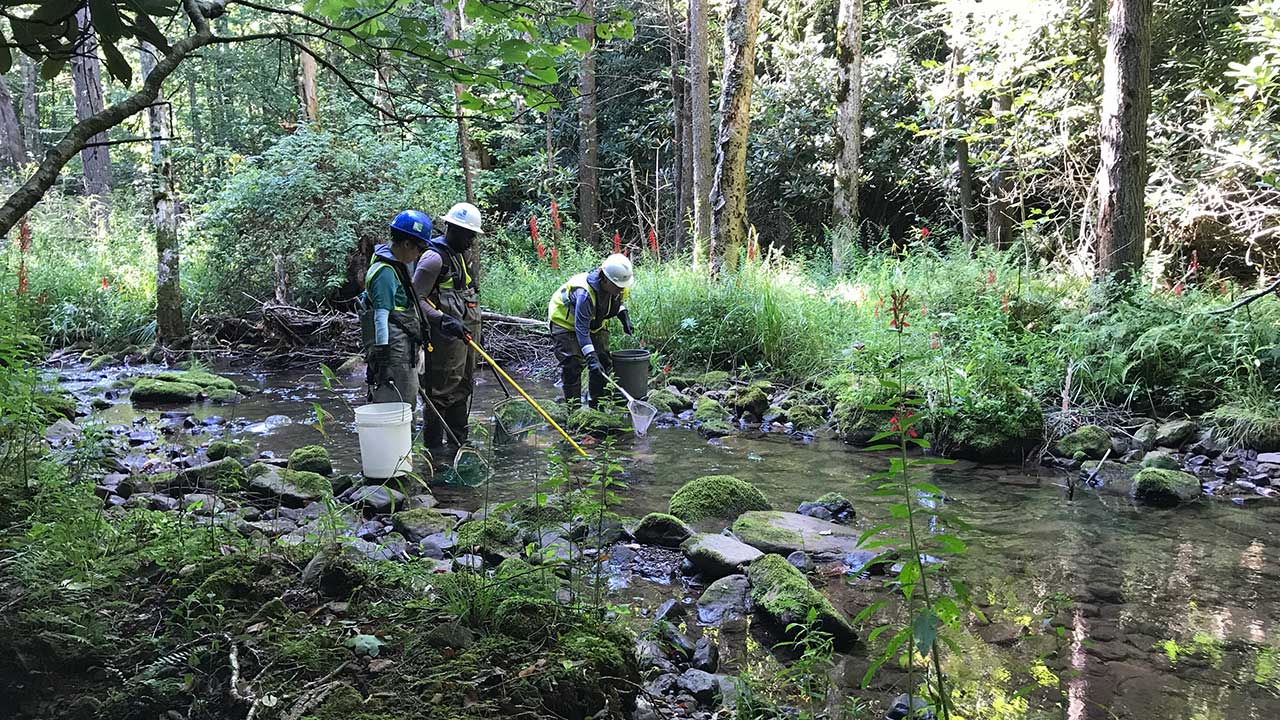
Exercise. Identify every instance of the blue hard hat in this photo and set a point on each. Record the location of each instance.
(415, 224)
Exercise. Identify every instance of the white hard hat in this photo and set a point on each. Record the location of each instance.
(618, 269)
(464, 215)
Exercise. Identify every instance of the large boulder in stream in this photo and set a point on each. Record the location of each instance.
(1165, 487)
(224, 474)
(784, 595)
(784, 533)
(199, 378)
(153, 391)
(716, 496)
(219, 449)
(1175, 433)
(311, 458)
(1091, 441)
(718, 555)
(728, 598)
(421, 523)
(294, 488)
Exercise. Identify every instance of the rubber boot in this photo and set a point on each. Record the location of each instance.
(432, 431)
(571, 378)
(457, 418)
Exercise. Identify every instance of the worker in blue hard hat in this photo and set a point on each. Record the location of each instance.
(392, 327)
(447, 283)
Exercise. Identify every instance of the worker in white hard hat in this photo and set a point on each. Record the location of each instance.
(447, 288)
(578, 314)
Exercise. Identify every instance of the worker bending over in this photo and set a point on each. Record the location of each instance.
(450, 302)
(578, 315)
(391, 327)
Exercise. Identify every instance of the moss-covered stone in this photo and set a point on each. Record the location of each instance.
(716, 496)
(783, 594)
(494, 538)
(1161, 459)
(998, 422)
(715, 428)
(519, 577)
(753, 399)
(1175, 433)
(662, 529)
(806, 417)
(527, 618)
(56, 405)
(218, 396)
(311, 458)
(224, 474)
(343, 702)
(100, 362)
(851, 395)
(708, 409)
(219, 449)
(152, 390)
(714, 380)
(1092, 440)
(668, 401)
(420, 523)
(682, 382)
(199, 378)
(597, 422)
(1165, 487)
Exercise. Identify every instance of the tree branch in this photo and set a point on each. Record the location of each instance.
(1273, 288)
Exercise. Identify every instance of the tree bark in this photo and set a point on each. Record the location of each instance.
(700, 129)
(382, 95)
(588, 133)
(729, 190)
(678, 103)
(30, 108)
(86, 77)
(964, 170)
(999, 222)
(848, 132)
(449, 13)
(171, 330)
(1126, 100)
(15, 152)
(308, 100)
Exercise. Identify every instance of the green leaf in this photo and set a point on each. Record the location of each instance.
(51, 66)
(106, 20)
(116, 64)
(363, 644)
(578, 44)
(868, 611)
(949, 544)
(924, 627)
(873, 531)
(900, 511)
(146, 29)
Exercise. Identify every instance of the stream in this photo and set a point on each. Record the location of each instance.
(1159, 613)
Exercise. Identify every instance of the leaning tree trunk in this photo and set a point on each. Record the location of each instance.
(700, 129)
(848, 132)
(999, 221)
(86, 77)
(1126, 100)
(30, 109)
(729, 189)
(308, 99)
(453, 31)
(14, 151)
(171, 330)
(588, 132)
(964, 170)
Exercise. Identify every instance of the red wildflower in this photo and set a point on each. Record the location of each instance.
(533, 226)
(751, 251)
(617, 242)
(105, 284)
(912, 433)
(1004, 303)
(924, 232)
(22, 276)
(898, 307)
(935, 342)
(1195, 263)
(542, 251)
(666, 369)
(555, 258)
(893, 423)
(653, 241)
(991, 277)
(1178, 288)
(555, 215)
(924, 309)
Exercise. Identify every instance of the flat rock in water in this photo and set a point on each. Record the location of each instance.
(784, 533)
(718, 555)
(277, 483)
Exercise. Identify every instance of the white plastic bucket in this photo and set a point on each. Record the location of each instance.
(386, 439)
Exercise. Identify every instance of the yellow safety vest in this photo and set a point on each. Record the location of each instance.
(376, 267)
(560, 308)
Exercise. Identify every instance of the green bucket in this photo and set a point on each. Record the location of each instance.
(632, 369)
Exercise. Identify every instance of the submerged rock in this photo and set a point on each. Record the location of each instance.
(718, 555)
(785, 533)
(785, 596)
(716, 496)
(831, 506)
(662, 529)
(1091, 441)
(1165, 487)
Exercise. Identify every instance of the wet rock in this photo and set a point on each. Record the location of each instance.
(671, 610)
(785, 596)
(429, 549)
(370, 551)
(450, 635)
(1165, 487)
(152, 501)
(645, 710)
(224, 397)
(219, 449)
(1105, 594)
(224, 474)
(212, 420)
(1269, 458)
(269, 425)
(909, 706)
(1204, 443)
(1175, 433)
(1145, 436)
(377, 498)
(706, 655)
(859, 561)
(717, 555)
(421, 523)
(311, 458)
(396, 544)
(1001, 634)
(423, 501)
(62, 431)
(468, 562)
(662, 685)
(801, 561)
(1092, 441)
(679, 643)
(1114, 476)
(269, 528)
(1162, 458)
(785, 533)
(701, 685)
(100, 403)
(753, 400)
(662, 529)
(716, 496)
(203, 504)
(370, 530)
(154, 391)
(728, 598)
(293, 488)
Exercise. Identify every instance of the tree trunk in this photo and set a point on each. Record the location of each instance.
(193, 109)
(848, 132)
(964, 171)
(382, 95)
(588, 138)
(700, 134)
(171, 331)
(729, 189)
(687, 223)
(999, 221)
(86, 77)
(1126, 100)
(678, 102)
(14, 151)
(30, 109)
(308, 100)
(452, 31)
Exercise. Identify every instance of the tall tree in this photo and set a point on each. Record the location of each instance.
(700, 128)
(452, 19)
(86, 76)
(588, 131)
(848, 131)
(14, 150)
(193, 110)
(680, 158)
(999, 221)
(171, 330)
(729, 189)
(1122, 174)
(964, 170)
(308, 100)
(30, 109)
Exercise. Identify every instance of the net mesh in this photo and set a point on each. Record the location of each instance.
(642, 415)
(468, 467)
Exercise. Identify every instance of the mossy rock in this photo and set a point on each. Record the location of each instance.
(1092, 441)
(199, 378)
(851, 395)
(708, 409)
(56, 405)
(716, 496)
(219, 449)
(152, 390)
(547, 513)
(682, 382)
(997, 423)
(519, 577)
(663, 530)
(99, 403)
(806, 417)
(714, 380)
(668, 401)
(597, 422)
(218, 396)
(753, 399)
(100, 362)
(344, 702)
(495, 539)
(782, 593)
(528, 618)
(420, 523)
(716, 428)
(311, 458)
(1161, 459)
(224, 474)
(1165, 487)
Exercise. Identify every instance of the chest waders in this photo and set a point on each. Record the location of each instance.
(399, 382)
(451, 363)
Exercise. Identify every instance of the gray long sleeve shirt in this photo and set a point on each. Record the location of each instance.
(585, 315)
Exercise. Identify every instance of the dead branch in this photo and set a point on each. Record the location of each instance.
(1272, 288)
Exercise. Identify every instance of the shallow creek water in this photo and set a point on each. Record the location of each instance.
(1163, 613)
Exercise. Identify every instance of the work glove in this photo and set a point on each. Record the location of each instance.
(453, 327)
(379, 365)
(594, 365)
(624, 316)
